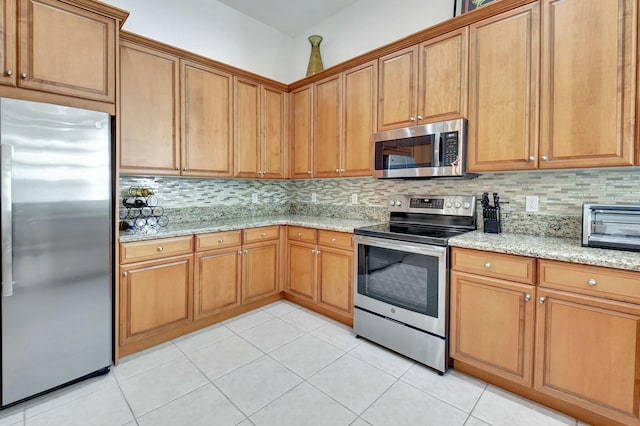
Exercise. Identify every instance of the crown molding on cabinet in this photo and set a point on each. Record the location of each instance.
(101, 8)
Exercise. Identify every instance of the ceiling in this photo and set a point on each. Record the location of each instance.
(291, 17)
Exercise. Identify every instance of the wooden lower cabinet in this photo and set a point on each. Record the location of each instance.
(217, 281)
(155, 296)
(260, 270)
(587, 353)
(335, 280)
(302, 270)
(492, 324)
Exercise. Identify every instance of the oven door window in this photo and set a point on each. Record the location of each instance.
(409, 153)
(403, 279)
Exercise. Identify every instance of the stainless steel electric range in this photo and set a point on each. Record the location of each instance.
(402, 275)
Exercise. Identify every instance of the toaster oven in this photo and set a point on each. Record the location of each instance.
(611, 226)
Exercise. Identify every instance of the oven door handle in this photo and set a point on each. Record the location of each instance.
(419, 248)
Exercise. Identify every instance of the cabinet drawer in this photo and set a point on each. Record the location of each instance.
(155, 249)
(497, 265)
(218, 240)
(300, 233)
(343, 240)
(591, 280)
(261, 234)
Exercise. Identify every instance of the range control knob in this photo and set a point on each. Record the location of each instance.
(457, 204)
(448, 204)
(398, 203)
(392, 202)
(466, 205)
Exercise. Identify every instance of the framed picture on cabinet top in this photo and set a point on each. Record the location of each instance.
(464, 6)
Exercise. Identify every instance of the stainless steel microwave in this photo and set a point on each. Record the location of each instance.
(428, 150)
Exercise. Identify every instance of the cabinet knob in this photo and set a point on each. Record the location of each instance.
(264, 234)
(544, 158)
(221, 240)
(125, 274)
(299, 234)
(308, 172)
(318, 252)
(184, 169)
(541, 300)
(592, 282)
(527, 297)
(240, 252)
(532, 159)
(419, 117)
(24, 75)
(246, 251)
(412, 119)
(177, 168)
(160, 248)
(487, 265)
(313, 251)
(9, 73)
(333, 240)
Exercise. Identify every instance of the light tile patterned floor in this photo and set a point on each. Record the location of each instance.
(279, 365)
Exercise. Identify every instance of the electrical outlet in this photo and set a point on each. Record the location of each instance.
(531, 204)
(354, 198)
(314, 197)
(254, 198)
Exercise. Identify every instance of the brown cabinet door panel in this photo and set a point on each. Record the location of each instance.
(217, 281)
(149, 87)
(207, 117)
(274, 103)
(247, 128)
(302, 132)
(398, 81)
(503, 91)
(260, 271)
(155, 296)
(586, 352)
(588, 83)
(492, 325)
(302, 270)
(327, 124)
(67, 50)
(335, 280)
(8, 58)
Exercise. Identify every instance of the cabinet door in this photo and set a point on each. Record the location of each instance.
(302, 270)
(360, 96)
(302, 132)
(155, 297)
(397, 87)
(588, 83)
(67, 50)
(492, 325)
(247, 128)
(149, 122)
(8, 19)
(442, 84)
(260, 271)
(327, 127)
(274, 103)
(503, 91)
(587, 352)
(335, 280)
(217, 281)
(207, 117)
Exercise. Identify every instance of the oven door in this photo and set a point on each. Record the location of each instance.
(404, 281)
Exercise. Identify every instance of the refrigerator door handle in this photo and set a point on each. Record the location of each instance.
(6, 156)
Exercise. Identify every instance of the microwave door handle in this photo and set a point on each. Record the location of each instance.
(437, 151)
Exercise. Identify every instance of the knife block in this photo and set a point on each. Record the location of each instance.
(492, 222)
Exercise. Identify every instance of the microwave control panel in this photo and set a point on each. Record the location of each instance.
(449, 148)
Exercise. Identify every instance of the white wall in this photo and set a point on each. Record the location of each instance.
(366, 26)
(214, 30)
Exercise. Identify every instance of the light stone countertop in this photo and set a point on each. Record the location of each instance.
(182, 229)
(564, 249)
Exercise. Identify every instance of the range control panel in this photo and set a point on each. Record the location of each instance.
(453, 205)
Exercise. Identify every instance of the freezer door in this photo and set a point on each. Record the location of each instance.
(57, 324)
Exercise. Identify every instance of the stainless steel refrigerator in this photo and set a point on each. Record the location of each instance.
(56, 223)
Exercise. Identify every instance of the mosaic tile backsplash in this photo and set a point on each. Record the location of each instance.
(561, 195)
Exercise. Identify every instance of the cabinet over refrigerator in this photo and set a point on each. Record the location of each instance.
(56, 207)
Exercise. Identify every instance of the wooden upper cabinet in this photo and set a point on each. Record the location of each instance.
(8, 40)
(327, 126)
(274, 133)
(302, 133)
(66, 50)
(588, 83)
(207, 120)
(398, 81)
(503, 91)
(360, 95)
(586, 353)
(443, 77)
(149, 111)
(260, 122)
(247, 128)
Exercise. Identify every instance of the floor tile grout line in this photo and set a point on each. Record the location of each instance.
(486, 385)
(126, 401)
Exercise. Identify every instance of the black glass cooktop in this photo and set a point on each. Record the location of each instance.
(425, 234)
